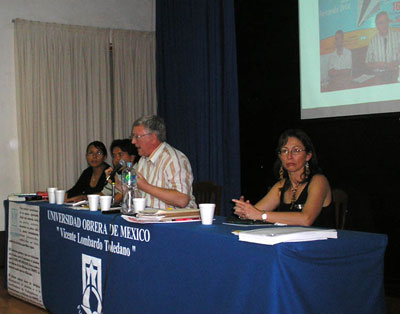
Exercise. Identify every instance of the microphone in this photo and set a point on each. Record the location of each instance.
(121, 164)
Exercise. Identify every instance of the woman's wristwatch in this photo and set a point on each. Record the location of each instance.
(264, 216)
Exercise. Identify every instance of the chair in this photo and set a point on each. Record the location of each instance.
(208, 192)
(340, 199)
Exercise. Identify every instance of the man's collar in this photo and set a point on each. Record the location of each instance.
(156, 153)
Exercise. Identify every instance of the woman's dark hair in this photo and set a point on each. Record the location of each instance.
(99, 145)
(126, 146)
(309, 147)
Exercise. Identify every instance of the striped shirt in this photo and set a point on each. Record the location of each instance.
(384, 49)
(167, 168)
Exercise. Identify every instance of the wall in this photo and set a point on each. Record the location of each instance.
(122, 14)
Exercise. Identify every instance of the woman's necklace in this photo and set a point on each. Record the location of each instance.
(95, 178)
(294, 191)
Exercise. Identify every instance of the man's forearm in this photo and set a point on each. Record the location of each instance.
(170, 197)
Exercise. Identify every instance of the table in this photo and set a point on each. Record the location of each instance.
(191, 268)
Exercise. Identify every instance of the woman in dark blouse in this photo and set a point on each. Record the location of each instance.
(93, 178)
(302, 196)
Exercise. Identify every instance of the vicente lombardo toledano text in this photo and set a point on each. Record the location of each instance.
(113, 230)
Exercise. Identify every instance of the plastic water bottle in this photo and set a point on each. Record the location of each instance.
(129, 189)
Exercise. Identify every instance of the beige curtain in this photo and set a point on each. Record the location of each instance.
(134, 74)
(63, 100)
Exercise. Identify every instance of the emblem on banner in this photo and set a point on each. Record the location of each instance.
(91, 285)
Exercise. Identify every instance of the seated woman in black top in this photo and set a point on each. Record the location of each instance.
(93, 178)
(302, 196)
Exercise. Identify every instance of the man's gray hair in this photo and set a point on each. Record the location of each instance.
(153, 124)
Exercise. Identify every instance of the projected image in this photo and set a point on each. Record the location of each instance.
(359, 43)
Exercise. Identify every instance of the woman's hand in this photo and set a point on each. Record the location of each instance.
(245, 210)
(108, 172)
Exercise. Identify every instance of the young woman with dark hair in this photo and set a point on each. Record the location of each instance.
(93, 178)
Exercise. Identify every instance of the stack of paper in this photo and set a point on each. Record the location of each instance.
(363, 78)
(274, 235)
(22, 197)
(150, 215)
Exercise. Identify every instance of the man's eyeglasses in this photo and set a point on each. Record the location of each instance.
(95, 154)
(293, 151)
(138, 137)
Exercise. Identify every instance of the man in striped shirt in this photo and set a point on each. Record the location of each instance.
(383, 54)
(164, 174)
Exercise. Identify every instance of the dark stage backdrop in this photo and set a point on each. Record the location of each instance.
(197, 88)
(359, 154)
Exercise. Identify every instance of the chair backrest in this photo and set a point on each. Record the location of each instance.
(340, 199)
(208, 192)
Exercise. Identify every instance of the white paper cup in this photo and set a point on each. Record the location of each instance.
(60, 194)
(52, 195)
(207, 213)
(139, 203)
(105, 202)
(93, 202)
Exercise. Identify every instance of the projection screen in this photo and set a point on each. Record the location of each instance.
(349, 57)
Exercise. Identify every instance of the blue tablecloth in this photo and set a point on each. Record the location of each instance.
(191, 268)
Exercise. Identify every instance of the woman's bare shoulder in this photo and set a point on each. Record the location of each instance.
(319, 179)
(319, 183)
(278, 185)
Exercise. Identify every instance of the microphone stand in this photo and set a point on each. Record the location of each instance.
(113, 192)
